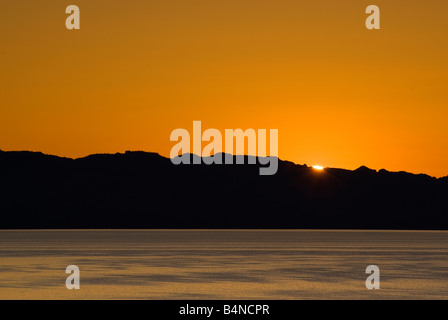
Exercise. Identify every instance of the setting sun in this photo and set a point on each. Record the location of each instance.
(318, 167)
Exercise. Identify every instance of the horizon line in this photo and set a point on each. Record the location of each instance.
(222, 153)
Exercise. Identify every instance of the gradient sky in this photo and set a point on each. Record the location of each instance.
(339, 94)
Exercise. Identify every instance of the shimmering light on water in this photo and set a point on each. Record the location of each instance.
(227, 264)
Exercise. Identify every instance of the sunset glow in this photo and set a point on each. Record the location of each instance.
(133, 73)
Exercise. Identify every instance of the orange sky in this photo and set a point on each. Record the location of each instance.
(339, 94)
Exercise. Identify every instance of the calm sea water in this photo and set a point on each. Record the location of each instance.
(228, 264)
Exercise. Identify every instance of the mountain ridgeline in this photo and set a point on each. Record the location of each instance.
(145, 190)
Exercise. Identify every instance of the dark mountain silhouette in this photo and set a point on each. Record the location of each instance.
(145, 190)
